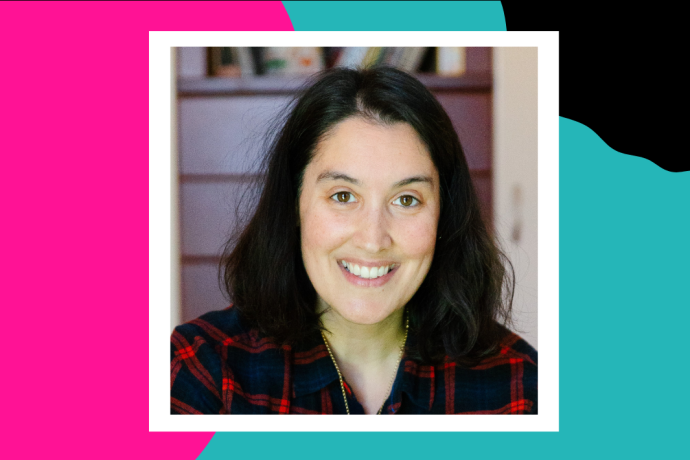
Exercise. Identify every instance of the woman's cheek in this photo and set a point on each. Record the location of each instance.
(325, 228)
(418, 237)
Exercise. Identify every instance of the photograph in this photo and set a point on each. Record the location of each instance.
(357, 230)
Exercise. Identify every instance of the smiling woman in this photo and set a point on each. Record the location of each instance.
(377, 213)
(366, 281)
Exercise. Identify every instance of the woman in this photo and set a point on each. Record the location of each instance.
(366, 281)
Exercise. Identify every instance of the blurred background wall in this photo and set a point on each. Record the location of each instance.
(226, 99)
(515, 175)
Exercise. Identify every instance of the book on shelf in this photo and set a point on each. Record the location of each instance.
(373, 56)
(293, 60)
(407, 58)
(246, 61)
(451, 61)
(231, 62)
(392, 56)
(352, 56)
(411, 58)
(224, 62)
(258, 59)
(332, 55)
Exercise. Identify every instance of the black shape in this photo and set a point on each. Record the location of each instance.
(620, 72)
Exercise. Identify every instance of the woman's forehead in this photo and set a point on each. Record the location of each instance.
(364, 151)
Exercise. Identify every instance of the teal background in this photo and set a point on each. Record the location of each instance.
(355, 16)
(624, 277)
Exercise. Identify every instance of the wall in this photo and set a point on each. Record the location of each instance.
(515, 175)
(175, 278)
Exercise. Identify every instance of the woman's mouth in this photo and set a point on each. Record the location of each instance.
(367, 276)
(366, 272)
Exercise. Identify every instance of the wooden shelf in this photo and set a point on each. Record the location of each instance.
(480, 82)
(222, 86)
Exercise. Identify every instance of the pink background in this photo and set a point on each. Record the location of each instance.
(74, 181)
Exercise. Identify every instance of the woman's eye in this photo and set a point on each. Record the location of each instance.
(406, 201)
(343, 197)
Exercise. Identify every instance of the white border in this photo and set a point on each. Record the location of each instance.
(160, 225)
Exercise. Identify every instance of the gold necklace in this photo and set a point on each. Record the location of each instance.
(395, 372)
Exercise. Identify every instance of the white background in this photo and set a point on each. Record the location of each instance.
(510, 175)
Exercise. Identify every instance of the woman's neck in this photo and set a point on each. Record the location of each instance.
(364, 343)
(367, 355)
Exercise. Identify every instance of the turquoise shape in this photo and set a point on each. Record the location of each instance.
(390, 16)
(624, 308)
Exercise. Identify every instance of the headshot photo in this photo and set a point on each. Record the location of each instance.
(356, 231)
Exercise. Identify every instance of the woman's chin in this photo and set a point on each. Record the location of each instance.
(365, 314)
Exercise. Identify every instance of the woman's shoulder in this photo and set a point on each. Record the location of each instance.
(222, 328)
(515, 347)
(214, 325)
(216, 357)
(511, 350)
(507, 379)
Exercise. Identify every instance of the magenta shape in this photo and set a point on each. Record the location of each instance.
(74, 177)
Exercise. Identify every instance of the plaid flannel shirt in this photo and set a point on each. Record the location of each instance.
(220, 367)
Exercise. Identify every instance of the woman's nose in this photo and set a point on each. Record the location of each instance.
(373, 232)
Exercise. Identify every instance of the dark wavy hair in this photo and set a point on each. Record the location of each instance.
(460, 308)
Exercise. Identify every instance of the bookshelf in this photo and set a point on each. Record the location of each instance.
(221, 122)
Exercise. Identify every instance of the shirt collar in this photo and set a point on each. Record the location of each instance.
(312, 367)
(416, 380)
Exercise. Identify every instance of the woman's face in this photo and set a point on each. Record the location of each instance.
(369, 209)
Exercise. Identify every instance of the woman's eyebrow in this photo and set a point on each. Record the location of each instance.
(413, 179)
(334, 175)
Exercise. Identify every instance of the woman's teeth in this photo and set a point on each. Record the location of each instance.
(367, 273)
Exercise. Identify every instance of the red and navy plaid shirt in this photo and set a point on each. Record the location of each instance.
(220, 367)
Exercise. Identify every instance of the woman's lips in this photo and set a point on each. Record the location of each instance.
(356, 280)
